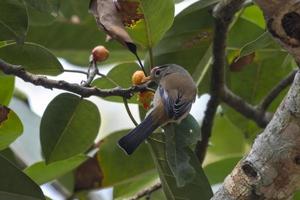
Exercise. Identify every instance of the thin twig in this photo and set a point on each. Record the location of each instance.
(283, 84)
(146, 192)
(224, 13)
(71, 87)
(129, 112)
(92, 72)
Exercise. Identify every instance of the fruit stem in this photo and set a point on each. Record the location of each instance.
(140, 63)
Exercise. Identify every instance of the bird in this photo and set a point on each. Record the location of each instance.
(172, 102)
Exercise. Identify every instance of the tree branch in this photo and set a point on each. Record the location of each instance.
(240, 105)
(224, 13)
(71, 87)
(283, 84)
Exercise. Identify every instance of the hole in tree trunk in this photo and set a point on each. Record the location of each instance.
(249, 170)
(297, 160)
(291, 24)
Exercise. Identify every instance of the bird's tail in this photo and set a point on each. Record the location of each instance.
(135, 137)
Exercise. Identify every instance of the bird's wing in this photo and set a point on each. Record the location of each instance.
(175, 106)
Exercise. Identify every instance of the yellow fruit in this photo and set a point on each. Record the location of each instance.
(137, 77)
(100, 53)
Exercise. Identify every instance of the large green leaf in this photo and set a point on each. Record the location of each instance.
(41, 5)
(13, 20)
(148, 30)
(38, 17)
(77, 52)
(129, 189)
(7, 88)
(33, 57)
(227, 139)
(68, 127)
(9, 155)
(236, 39)
(42, 173)
(261, 42)
(217, 171)
(119, 168)
(178, 138)
(121, 74)
(10, 127)
(199, 188)
(15, 185)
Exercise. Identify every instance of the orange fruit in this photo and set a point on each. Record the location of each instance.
(100, 53)
(137, 77)
(145, 99)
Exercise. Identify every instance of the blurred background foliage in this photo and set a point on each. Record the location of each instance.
(35, 33)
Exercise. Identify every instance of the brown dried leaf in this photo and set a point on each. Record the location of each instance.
(239, 63)
(88, 175)
(129, 11)
(109, 19)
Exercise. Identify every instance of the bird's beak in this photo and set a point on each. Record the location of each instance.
(146, 79)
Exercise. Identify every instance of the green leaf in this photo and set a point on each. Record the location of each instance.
(42, 173)
(121, 74)
(255, 15)
(178, 138)
(15, 185)
(10, 127)
(296, 195)
(77, 52)
(39, 18)
(9, 155)
(68, 127)
(67, 181)
(199, 188)
(129, 189)
(33, 57)
(227, 139)
(263, 41)
(7, 88)
(216, 172)
(40, 5)
(148, 30)
(237, 39)
(119, 168)
(13, 20)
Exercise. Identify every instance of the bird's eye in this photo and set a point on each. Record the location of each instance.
(157, 72)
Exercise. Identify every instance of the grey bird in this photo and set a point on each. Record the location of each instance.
(172, 102)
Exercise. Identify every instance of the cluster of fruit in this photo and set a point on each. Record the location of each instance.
(144, 97)
(100, 54)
